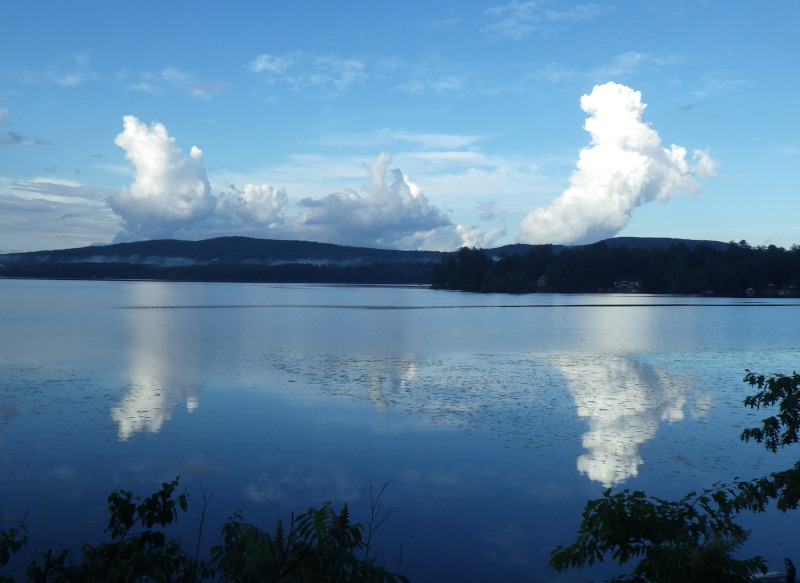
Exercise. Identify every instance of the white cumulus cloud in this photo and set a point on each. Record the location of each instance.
(254, 206)
(389, 214)
(169, 191)
(625, 166)
(171, 197)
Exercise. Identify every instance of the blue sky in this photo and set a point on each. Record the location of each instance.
(409, 125)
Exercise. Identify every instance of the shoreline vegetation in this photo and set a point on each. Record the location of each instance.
(619, 265)
(320, 544)
(732, 270)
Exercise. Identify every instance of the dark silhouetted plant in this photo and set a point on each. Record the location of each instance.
(695, 538)
(319, 545)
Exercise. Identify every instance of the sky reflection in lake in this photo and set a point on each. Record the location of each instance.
(624, 401)
(496, 416)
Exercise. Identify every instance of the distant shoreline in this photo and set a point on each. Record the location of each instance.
(622, 265)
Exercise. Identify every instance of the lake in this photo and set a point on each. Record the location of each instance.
(492, 417)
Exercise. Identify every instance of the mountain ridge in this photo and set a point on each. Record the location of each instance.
(655, 265)
(248, 250)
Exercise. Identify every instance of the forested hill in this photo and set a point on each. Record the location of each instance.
(226, 259)
(222, 249)
(654, 265)
(629, 242)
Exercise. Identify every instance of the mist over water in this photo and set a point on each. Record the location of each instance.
(496, 417)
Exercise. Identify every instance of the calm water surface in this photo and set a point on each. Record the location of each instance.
(495, 417)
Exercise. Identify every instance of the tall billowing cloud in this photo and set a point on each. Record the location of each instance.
(169, 191)
(389, 214)
(625, 166)
(171, 198)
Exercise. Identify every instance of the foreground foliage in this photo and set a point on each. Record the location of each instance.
(695, 538)
(319, 545)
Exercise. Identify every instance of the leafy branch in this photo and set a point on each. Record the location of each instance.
(696, 537)
(320, 545)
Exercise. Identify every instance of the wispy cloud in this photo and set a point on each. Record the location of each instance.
(170, 80)
(443, 23)
(436, 141)
(330, 73)
(554, 73)
(74, 215)
(622, 66)
(626, 64)
(339, 74)
(55, 190)
(711, 86)
(270, 64)
(440, 85)
(67, 72)
(789, 151)
(315, 74)
(12, 138)
(389, 138)
(518, 19)
(428, 76)
(717, 82)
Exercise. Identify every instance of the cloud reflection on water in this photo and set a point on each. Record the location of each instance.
(150, 402)
(624, 400)
(159, 379)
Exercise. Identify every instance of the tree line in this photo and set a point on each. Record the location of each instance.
(731, 270)
(736, 269)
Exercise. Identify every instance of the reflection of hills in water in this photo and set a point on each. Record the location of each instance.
(520, 399)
